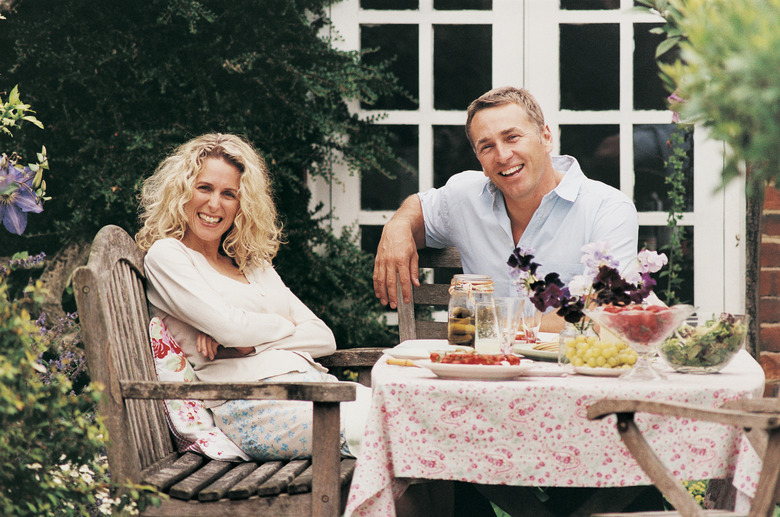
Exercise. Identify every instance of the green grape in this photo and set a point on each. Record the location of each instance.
(591, 351)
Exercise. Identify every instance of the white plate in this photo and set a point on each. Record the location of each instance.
(421, 348)
(483, 372)
(530, 352)
(600, 372)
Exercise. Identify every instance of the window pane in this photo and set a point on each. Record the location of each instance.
(447, 5)
(395, 5)
(597, 148)
(369, 238)
(658, 238)
(590, 66)
(396, 44)
(589, 5)
(461, 64)
(649, 90)
(651, 152)
(451, 153)
(377, 191)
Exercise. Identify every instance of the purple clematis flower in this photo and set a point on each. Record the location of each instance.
(17, 197)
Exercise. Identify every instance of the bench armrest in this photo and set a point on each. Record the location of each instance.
(307, 391)
(352, 358)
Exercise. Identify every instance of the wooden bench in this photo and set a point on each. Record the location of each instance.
(111, 299)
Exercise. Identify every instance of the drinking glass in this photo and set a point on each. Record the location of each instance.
(509, 317)
(532, 320)
(487, 336)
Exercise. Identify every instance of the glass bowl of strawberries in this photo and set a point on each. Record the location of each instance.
(643, 328)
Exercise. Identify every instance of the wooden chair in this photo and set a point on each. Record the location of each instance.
(111, 299)
(433, 295)
(759, 418)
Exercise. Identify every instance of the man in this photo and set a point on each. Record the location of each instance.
(523, 197)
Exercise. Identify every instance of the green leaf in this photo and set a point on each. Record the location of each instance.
(665, 46)
(13, 97)
(33, 120)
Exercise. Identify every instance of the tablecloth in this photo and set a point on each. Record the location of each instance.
(534, 431)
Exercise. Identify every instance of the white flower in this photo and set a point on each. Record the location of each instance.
(633, 272)
(597, 254)
(646, 262)
(651, 261)
(580, 285)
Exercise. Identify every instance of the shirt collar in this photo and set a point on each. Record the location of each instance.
(573, 177)
(567, 189)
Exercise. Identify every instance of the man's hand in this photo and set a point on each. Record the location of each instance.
(396, 254)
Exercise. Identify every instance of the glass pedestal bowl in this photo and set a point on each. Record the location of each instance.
(643, 328)
(705, 348)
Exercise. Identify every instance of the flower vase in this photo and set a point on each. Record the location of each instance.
(568, 337)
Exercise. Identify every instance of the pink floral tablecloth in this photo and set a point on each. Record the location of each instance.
(534, 431)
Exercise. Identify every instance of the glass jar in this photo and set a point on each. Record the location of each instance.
(569, 334)
(465, 291)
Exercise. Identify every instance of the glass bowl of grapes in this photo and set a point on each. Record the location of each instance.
(707, 347)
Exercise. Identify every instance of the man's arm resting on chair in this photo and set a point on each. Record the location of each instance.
(396, 254)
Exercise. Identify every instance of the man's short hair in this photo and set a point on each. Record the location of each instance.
(506, 95)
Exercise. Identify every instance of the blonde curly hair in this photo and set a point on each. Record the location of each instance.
(254, 237)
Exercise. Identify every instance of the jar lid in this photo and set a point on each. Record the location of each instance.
(471, 282)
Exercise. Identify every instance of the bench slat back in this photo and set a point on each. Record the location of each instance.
(434, 295)
(111, 298)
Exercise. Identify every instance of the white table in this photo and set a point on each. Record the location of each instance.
(533, 431)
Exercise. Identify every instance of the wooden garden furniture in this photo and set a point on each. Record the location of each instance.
(759, 418)
(111, 299)
(445, 262)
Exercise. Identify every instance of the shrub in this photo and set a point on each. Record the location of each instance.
(51, 441)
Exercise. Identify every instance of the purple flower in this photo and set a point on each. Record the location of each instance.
(675, 102)
(17, 197)
(523, 260)
(597, 254)
(548, 292)
(603, 284)
(522, 270)
(572, 309)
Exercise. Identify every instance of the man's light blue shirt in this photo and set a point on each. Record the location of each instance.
(469, 213)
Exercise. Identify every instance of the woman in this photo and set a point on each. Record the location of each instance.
(210, 232)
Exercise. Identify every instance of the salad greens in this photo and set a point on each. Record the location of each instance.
(708, 345)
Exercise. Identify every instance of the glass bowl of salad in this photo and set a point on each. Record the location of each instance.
(707, 347)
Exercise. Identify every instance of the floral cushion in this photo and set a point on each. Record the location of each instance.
(191, 423)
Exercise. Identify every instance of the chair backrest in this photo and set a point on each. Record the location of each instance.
(445, 262)
(111, 298)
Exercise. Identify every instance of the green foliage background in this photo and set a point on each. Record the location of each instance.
(118, 84)
(727, 76)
